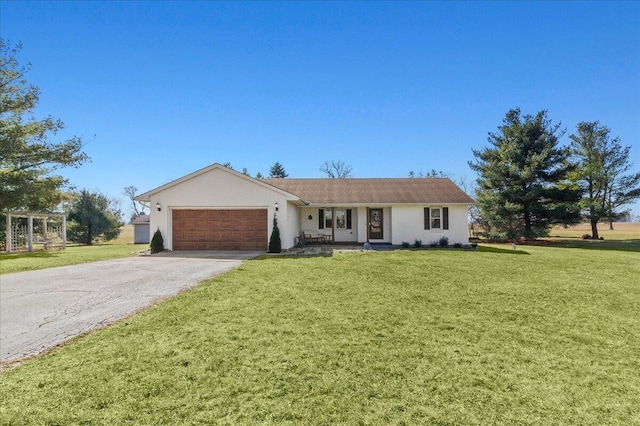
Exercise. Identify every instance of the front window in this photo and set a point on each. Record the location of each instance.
(341, 219)
(328, 219)
(435, 218)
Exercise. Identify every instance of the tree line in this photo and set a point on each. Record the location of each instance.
(528, 181)
(332, 169)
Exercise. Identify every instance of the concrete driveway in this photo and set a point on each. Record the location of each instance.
(39, 309)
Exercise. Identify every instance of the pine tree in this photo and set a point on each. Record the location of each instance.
(523, 186)
(28, 153)
(277, 171)
(157, 242)
(92, 216)
(275, 245)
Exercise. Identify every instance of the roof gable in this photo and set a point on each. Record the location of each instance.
(375, 190)
(142, 219)
(216, 166)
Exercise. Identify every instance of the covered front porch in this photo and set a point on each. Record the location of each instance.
(344, 224)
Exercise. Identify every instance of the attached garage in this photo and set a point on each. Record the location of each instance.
(220, 229)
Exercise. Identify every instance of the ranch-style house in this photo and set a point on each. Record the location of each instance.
(217, 208)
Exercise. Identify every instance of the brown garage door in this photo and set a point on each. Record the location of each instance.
(220, 229)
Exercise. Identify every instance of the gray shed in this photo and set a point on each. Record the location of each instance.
(141, 230)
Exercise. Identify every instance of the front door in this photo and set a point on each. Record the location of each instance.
(375, 224)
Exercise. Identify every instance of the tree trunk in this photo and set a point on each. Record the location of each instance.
(527, 225)
(89, 242)
(594, 228)
(611, 225)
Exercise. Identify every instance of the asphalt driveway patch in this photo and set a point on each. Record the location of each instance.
(40, 309)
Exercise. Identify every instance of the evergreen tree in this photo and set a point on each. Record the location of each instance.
(522, 178)
(275, 245)
(277, 171)
(432, 174)
(28, 156)
(157, 242)
(602, 164)
(93, 216)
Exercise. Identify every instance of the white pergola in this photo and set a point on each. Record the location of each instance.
(31, 240)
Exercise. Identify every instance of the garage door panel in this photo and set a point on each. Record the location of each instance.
(231, 229)
(237, 235)
(225, 235)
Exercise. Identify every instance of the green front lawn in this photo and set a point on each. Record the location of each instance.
(72, 255)
(407, 337)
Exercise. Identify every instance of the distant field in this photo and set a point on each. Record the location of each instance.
(126, 235)
(624, 236)
(621, 231)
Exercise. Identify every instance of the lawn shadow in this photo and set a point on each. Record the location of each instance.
(294, 256)
(29, 254)
(487, 249)
(619, 245)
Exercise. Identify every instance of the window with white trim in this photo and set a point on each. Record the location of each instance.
(328, 219)
(436, 217)
(343, 219)
(436, 222)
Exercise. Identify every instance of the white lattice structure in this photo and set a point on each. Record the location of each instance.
(22, 237)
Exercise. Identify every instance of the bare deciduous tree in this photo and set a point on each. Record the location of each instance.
(336, 169)
(138, 207)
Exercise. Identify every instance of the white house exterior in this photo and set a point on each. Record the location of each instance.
(219, 208)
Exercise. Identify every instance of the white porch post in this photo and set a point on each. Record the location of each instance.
(30, 233)
(64, 232)
(9, 235)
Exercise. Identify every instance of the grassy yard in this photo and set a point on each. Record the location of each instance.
(623, 236)
(73, 254)
(549, 336)
(620, 231)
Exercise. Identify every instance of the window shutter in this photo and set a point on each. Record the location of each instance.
(320, 218)
(427, 218)
(348, 218)
(445, 218)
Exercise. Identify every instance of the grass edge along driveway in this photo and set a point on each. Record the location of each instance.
(72, 255)
(406, 337)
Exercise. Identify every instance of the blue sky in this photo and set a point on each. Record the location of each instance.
(160, 89)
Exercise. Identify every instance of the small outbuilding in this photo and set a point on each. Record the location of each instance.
(141, 229)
